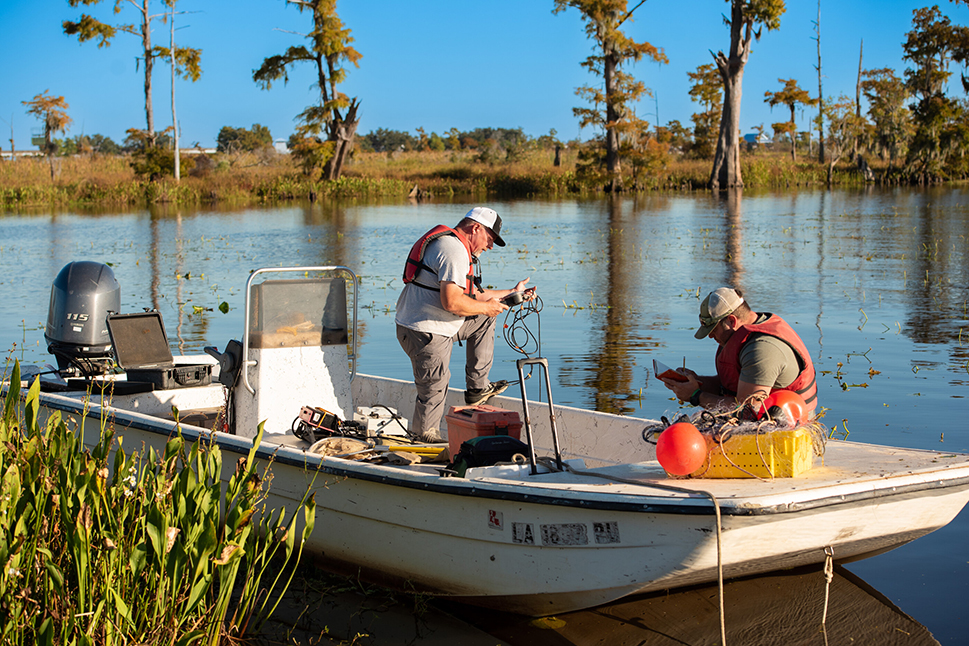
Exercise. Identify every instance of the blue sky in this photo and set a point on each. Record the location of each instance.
(434, 64)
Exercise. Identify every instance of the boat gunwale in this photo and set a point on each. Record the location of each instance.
(690, 505)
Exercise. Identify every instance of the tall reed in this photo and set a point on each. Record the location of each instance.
(103, 547)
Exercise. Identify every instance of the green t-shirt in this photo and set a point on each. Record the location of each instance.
(767, 361)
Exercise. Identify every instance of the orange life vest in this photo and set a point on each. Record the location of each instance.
(415, 260)
(728, 358)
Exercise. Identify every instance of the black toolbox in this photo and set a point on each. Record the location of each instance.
(141, 348)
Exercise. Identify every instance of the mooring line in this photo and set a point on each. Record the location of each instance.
(637, 483)
(828, 577)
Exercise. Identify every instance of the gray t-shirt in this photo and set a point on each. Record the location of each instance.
(767, 361)
(420, 309)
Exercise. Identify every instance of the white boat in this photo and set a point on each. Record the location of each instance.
(590, 517)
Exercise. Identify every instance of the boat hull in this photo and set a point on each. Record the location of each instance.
(556, 542)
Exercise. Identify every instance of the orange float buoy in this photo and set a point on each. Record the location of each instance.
(681, 449)
(785, 403)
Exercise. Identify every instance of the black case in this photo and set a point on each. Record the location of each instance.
(487, 450)
(141, 348)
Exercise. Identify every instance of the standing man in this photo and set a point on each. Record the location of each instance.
(758, 354)
(443, 302)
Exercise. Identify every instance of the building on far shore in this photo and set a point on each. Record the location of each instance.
(6, 154)
(754, 140)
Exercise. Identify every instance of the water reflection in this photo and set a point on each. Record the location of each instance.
(928, 292)
(330, 222)
(169, 259)
(607, 369)
(734, 234)
(820, 283)
(875, 281)
(154, 251)
(630, 323)
(331, 236)
(775, 610)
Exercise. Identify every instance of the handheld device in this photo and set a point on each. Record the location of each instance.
(513, 299)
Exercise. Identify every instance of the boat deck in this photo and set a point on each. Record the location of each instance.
(847, 469)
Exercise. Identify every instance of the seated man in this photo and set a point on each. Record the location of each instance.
(758, 353)
(443, 302)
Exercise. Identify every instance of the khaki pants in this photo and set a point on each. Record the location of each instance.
(430, 356)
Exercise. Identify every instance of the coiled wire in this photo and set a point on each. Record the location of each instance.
(518, 335)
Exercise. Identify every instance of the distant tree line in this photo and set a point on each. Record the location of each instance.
(98, 144)
(229, 140)
(913, 121)
(383, 140)
(88, 145)
(241, 140)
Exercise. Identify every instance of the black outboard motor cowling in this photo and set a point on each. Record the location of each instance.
(81, 297)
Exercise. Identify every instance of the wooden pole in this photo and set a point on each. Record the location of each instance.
(178, 170)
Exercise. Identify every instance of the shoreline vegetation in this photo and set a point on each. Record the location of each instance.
(267, 177)
(913, 120)
(117, 545)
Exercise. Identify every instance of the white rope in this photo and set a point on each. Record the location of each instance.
(828, 577)
(723, 622)
(716, 510)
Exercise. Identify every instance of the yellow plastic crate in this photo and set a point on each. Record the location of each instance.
(781, 454)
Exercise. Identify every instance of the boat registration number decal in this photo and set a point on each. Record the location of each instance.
(565, 534)
(606, 532)
(495, 520)
(522, 533)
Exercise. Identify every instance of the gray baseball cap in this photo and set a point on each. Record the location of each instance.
(718, 305)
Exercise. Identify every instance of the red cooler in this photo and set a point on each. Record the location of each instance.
(466, 422)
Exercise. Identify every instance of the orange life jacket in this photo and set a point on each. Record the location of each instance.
(728, 358)
(415, 260)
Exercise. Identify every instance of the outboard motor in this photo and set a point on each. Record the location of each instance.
(81, 297)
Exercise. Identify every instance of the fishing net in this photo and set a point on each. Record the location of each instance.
(764, 448)
(724, 425)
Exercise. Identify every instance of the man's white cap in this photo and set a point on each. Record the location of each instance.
(489, 218)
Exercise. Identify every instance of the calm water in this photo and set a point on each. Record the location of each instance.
(876, 282)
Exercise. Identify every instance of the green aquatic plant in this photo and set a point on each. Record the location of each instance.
(103, 547)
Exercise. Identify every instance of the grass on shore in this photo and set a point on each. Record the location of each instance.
(104, 547)
(249, 178)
